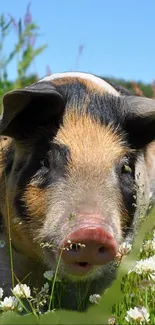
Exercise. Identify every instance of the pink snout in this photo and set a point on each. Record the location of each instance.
(87, 247)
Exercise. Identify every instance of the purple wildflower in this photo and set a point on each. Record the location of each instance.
(28, 16)
(48, 70)
(14, 23)
(80, 51)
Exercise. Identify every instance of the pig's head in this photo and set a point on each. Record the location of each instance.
(76, 176)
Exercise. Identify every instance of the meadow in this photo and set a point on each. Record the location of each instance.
(131, 298)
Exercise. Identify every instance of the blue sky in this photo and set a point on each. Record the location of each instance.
(118, 36)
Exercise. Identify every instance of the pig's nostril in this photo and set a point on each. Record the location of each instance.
(75, 247)
(102, 250)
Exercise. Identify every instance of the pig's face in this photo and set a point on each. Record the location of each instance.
(77, 177)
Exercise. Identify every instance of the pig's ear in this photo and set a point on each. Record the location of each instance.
(139, 120)
(26, 108)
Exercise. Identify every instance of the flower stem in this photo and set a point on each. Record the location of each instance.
(54, 281)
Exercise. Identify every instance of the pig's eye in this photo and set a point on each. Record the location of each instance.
(126, 169)
(45, 163)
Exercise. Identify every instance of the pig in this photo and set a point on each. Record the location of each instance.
(76, 175)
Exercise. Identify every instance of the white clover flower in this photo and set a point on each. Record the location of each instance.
(94, 299)
(2, 243)
(145, 267)
(149, 245)
(146, 283)
(140, 314)
(49, 275)
(19, 308)
(124, 248)
(45, 287)
(9, 303)
(150, 195)
(1, 293)
(22, 291)
(112, 321)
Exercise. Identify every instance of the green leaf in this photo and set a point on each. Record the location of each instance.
(6, 26)
(28, 56)
(20, 29)
(10, 57)
(39, 50)
(12, 318)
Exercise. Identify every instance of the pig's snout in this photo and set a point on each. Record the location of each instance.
(87, 247)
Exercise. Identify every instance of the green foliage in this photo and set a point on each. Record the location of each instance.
(147, 89)
(24, 51)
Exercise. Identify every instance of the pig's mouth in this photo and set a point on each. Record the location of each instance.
(82, 264)
(79, 268)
